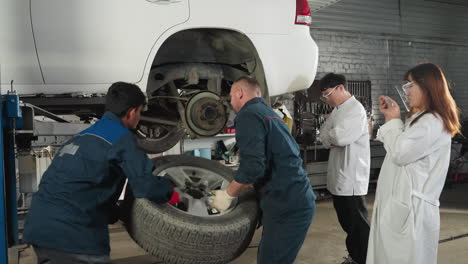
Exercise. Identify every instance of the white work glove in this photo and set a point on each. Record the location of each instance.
(222, 200)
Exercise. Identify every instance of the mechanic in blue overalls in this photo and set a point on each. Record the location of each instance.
(270, 161)
(69, 215)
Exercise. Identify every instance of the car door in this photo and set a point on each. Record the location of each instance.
(18, 60)
(91, 42)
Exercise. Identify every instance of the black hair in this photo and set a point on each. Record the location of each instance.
(123, 96)
(331, 80)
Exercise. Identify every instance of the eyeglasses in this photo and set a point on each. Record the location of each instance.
(407, 86)
(329, 93)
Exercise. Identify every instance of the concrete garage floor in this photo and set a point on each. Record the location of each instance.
(325, 240)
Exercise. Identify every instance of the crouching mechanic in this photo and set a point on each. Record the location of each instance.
(69, 215)
(269, 159)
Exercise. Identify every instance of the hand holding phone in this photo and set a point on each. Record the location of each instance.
(388, 102)
(389, 108)
(385, 102)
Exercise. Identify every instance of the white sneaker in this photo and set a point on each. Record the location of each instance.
(348, 260)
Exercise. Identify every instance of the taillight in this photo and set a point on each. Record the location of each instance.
(303, 12)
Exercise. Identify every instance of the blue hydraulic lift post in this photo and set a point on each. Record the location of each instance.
(14, 121)
(3, 224)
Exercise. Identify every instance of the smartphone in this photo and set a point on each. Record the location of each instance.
(403, 97)
(388, 103)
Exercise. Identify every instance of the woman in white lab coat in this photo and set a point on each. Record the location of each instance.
(405, 221)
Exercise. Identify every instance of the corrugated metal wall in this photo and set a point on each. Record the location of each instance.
(381, 39)
(380, 16)
(434, 19)
(422, 18)
(320, 4)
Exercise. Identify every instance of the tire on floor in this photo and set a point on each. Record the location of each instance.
(177, 237)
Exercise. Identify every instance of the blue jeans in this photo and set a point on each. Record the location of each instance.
(52, 256)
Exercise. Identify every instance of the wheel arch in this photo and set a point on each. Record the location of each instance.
(204, 45)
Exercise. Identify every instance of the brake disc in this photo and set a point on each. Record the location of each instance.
(205, 114)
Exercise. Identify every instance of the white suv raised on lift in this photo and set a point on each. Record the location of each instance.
(62, 55)
(183, 53)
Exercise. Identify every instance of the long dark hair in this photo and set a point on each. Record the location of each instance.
(438, 99)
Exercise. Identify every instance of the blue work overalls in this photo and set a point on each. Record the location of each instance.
(78, 192)
(270, 158)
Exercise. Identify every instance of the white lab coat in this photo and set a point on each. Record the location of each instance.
(405, 221)
(346, 133)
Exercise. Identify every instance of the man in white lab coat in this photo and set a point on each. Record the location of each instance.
(345, 132)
